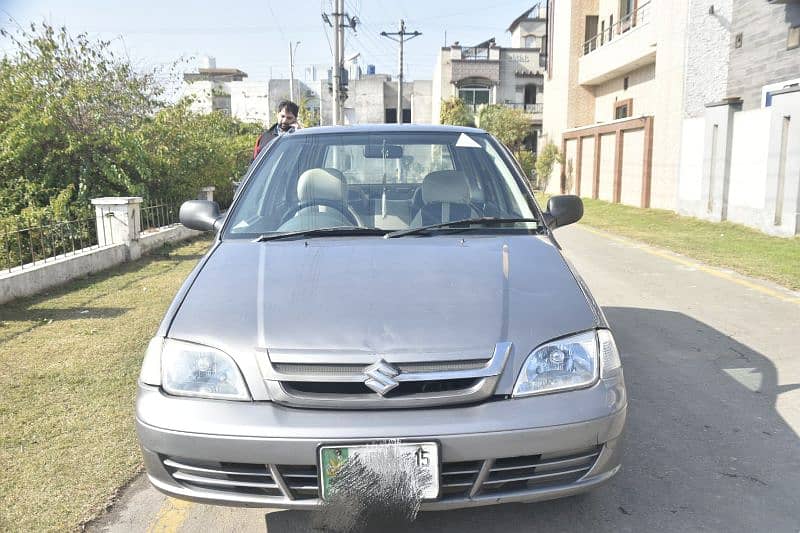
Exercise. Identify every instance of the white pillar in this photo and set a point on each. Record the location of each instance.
(207, 193)
(119, 220)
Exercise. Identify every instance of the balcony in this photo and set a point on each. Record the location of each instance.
(533, 111)
(624, 46)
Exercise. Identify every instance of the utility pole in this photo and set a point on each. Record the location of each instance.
(340, 21)
(337, 61)
(402, 37)
(292, 51)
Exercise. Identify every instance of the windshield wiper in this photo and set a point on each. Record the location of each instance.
(487, 221)
(321, 232)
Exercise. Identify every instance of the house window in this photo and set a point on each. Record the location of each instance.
(474, 95)
(531, 41)
(623, 108)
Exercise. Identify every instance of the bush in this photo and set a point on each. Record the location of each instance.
(527, 160)
(77, 122)
(455, 113)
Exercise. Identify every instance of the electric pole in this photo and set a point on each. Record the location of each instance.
(292, 51)
(340, 21)
(402, 37)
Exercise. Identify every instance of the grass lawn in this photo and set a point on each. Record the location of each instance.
(727, 245)
(69, 360)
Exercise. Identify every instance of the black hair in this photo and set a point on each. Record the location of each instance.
(289, 106)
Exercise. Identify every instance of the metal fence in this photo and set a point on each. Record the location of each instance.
(26, 244)
(159, 213)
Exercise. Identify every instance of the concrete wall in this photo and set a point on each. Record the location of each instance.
(250, 102)
(670, 20)
(32, 279)
(607, 145)
(763, 57)
(421, 98)
(587, 166)
(200, 92)
(755, 176)
(641, 88)
(691, 165)
(708, 45)
(632, 162)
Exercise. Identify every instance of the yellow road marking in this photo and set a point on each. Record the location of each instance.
(696, 265)
(171, 516)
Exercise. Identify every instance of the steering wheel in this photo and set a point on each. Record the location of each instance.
(338, 206)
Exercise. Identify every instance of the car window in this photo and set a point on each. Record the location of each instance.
(417, 161)
(387, 181)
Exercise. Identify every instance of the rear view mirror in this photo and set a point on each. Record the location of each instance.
(202, 215)
(563, 210)
(383, 151)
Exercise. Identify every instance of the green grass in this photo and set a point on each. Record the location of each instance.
(69, 360)
(726, 245)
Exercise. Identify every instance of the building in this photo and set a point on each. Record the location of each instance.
(227, 90)
(490, 74)
(372, 99)
(678, 105)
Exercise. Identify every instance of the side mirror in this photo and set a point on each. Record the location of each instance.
(563, 210)
(202, 215)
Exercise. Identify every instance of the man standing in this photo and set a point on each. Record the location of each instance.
(287, 123)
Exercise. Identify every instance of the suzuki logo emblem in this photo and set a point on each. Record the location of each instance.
(380, 377)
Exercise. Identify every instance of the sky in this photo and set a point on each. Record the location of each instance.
(254, 36)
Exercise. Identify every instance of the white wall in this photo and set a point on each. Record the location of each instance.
(691, 163)
(587, 168)
(764, 167)
(632, 163)
(748, 162)
(250, 101)
(607, 149)
(641, 88)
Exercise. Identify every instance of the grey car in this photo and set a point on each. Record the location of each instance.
(373, 289)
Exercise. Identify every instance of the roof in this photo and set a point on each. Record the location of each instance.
(387, 128)
(520, 19)
(222, 71)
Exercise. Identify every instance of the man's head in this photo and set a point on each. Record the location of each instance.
(287, 114)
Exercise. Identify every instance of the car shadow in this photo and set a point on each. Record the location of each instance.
(705, 446)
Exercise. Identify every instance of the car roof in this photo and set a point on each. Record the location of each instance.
(388, 128)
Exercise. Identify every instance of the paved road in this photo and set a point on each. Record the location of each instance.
(712, 363)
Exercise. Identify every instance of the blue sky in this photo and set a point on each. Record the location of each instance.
(254, 35)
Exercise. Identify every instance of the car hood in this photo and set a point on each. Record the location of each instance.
(433, 295)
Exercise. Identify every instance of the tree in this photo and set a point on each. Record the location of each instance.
(509, 125)
(455, 113)
(78, 122)
(308, 115)
(548, 157)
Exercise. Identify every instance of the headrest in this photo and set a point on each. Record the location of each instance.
(445, 186)
(321, 184)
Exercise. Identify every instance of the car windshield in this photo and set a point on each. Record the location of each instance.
(382, 181)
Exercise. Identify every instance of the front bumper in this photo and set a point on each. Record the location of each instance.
(214, 443)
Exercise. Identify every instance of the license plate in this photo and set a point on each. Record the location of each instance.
(425, 454)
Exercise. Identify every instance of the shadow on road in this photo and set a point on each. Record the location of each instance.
(705, 447)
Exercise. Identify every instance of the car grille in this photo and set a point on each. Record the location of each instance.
(457, 479)
(310, 380)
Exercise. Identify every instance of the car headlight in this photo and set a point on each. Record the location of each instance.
(562, 364)
(195, 370)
